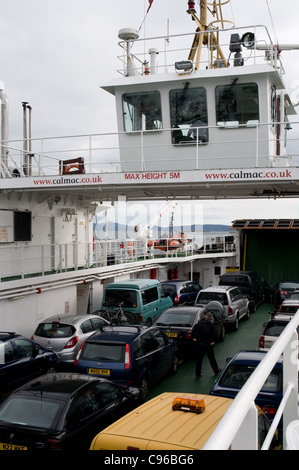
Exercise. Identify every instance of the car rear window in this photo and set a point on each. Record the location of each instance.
(127, 298)
(109, 352)
(39, 412)
(242, 281)
(289, 285)
(55, 330)
(182, 319)
(206, 297)
(274, 328)
(237, 374)
(168, 290)
(288, 308)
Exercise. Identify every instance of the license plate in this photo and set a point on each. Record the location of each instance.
(172, 335)
(99, 371)
(4, 446)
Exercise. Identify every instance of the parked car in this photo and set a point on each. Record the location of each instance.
(272, 330)
(22, 360)
(238, 370)
(181, 292)
(282, 290)
(188, 421)
(236, 305)
(65, 334)
(289, 306)
(177, 323)
(129, 355)
(249, 283)
(62, 411)
(141, 297)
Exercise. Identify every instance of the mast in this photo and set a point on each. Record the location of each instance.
(207, 34)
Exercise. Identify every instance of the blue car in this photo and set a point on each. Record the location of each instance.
(238, 370)
(21, 360)
(181, 292)
(129, 355)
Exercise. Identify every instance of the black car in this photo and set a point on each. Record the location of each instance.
(282, 291)
(181, 292)
(21, 360)
(62, 411)
(249, 283)
(177, 323)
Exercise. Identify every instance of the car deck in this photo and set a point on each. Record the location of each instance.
(246, 337)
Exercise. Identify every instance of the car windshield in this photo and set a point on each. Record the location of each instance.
(126, 297)
(237, 374)
(176, 319)
(206, 297)
(55, 329)
(39, 412)
(103, 352)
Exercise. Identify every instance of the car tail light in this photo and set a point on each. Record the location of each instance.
(262, 342)
(283, 292)
(54, 444)
(72, 342)
(78, 355)
(177, 299)
(140, 318)
(230, 311)
(269, 411)
(188, 334)
(127, 357)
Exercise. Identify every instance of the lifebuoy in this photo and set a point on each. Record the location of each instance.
(131, 248)
(69, 167)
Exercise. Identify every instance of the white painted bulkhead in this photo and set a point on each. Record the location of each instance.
(230, 145)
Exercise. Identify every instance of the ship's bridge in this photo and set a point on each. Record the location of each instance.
(184, 131)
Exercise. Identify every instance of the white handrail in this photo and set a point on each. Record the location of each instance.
(287, 344)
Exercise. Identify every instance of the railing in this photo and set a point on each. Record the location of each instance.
(102, 153)
(238, 428)
(171, 48)
(25, 260)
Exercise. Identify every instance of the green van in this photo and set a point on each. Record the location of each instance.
(142, 297)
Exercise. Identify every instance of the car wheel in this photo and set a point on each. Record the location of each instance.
(222, 334)
(175, 364)
(236, 324)
(149, 322)
(144, 387)
(51, 370)
(247, 314)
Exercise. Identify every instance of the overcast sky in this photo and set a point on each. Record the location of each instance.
(55, 54)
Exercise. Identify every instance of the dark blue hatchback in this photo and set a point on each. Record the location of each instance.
(181, 292)
(238, 370)
(22, 360)
(129, 355)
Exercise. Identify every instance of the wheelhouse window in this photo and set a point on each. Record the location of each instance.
(142, 111)
(237, 104)
(189, 115)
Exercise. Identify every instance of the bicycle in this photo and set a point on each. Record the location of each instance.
(118, 318)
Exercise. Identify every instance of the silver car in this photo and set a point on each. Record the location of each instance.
(272, 330)
(65, 334)
(236, 305)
